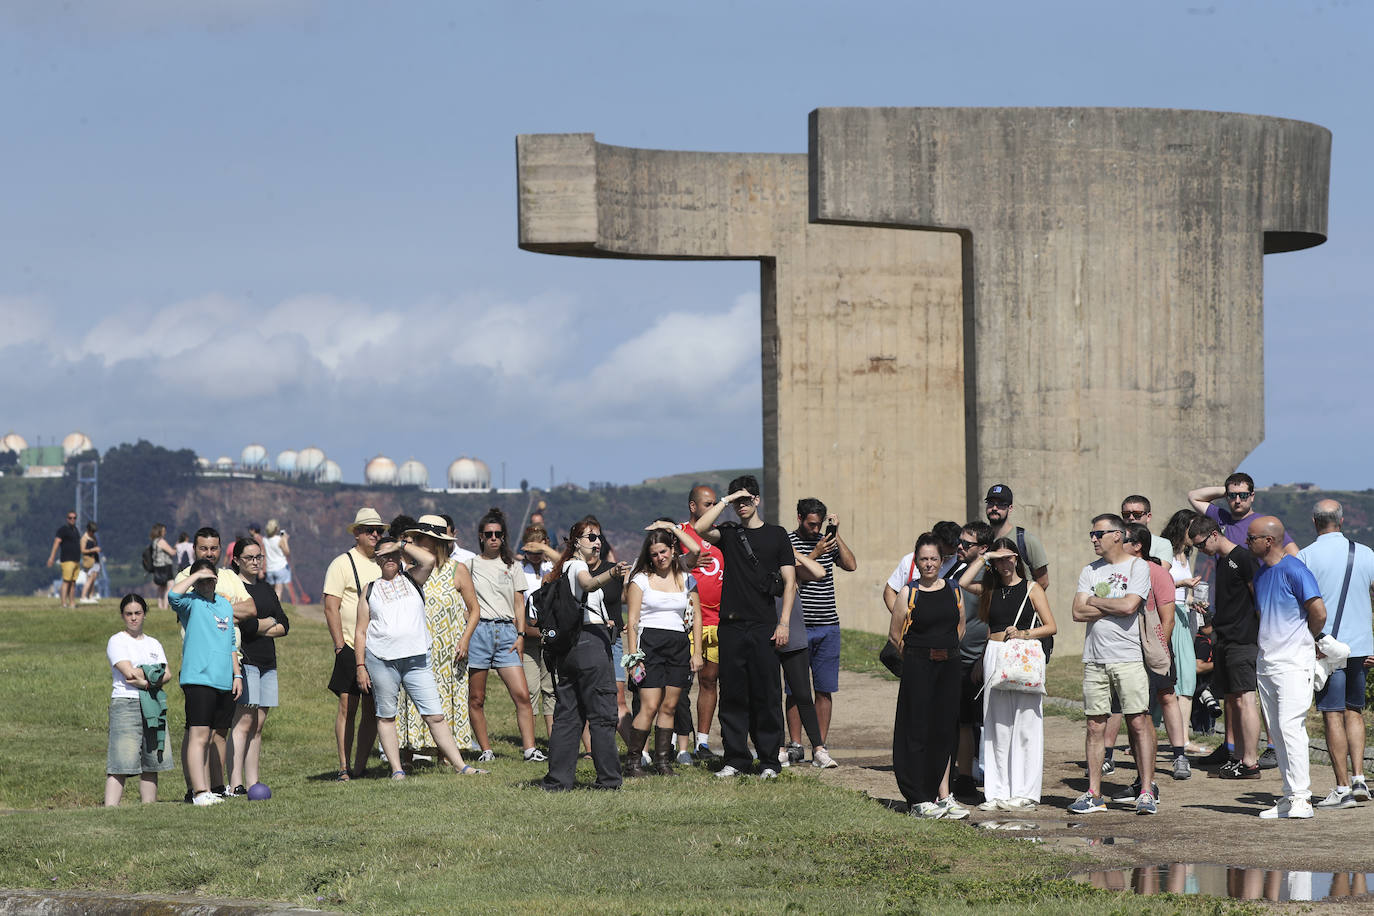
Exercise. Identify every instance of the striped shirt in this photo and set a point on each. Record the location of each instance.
(817, 598)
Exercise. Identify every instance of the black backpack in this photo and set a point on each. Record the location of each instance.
(559, 617)
(147, 558)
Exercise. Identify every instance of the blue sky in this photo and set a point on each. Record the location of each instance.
(294, 222)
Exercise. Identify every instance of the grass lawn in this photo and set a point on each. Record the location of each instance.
(443, 843)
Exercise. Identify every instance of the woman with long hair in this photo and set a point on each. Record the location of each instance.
(258, 646)
(927, 624)
(448, 596)
(1185, 621)
(535, 564)
(276, 546)
(1014, 607)
(585, 683)
(164, 555)
(392, 638)
(795, 660)
(495, 634)
(90, 562)
(662, 606)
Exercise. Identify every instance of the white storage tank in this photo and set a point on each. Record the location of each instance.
(329, 472)
(224, 463)
(469, 474)
(412, 474)
(380, 471)
(253, 457)
(308, 461)
(75, 444)
(13, 442)
(286, 461)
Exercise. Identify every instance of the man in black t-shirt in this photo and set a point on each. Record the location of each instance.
(758, 558)
(1235, 632)
(66, 549)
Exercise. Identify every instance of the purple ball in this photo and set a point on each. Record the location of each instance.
(258, 791)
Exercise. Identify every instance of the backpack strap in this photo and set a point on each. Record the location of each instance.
(357, 583)
(1021, 544)
(1345, 587)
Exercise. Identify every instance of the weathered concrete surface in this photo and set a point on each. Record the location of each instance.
(1113, 284)
(94, 903)
(862, 329)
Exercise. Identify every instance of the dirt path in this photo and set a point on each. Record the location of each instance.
(1202, 819)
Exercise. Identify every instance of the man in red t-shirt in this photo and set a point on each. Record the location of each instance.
(710, 575)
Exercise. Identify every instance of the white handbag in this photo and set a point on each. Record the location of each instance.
(1021, 665)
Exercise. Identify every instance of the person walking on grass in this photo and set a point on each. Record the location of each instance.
(393, 639)
(1110, 599)
(211, 677)
(1345, 573)
(66, 549)
(495, 635)
(348, 574)
(258, 637)
(138, 669)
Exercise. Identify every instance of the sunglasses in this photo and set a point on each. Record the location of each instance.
(594, 538)
(1240, 495)
(372, 529)
(967, 544)
(392, 557)
(1098, 535)
(1251, 538)
(1135, 515)
(499, 535)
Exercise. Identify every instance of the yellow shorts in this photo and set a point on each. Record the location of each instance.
(69, 570)
(711, 638)
(1126, 679)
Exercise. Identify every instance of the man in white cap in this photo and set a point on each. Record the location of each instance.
(348, 574)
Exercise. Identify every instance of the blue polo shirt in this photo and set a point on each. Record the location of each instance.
(1281, 591)
(207, 653)
(1327, 557)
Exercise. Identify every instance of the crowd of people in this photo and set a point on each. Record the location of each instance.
(1220, 605)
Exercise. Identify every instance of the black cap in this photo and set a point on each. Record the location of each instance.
(999, 493)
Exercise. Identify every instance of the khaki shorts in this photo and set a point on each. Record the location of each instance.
(1125, 679)
(69, 570)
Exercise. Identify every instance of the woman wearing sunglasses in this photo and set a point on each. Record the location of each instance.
(258, 636)
(495, 634)
(392, 637)
(585, 684)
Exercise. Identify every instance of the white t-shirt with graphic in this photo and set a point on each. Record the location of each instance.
(1114, 638)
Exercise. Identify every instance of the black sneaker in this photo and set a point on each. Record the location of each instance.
(1229, 767)
(1239, 771)
(1130, 796)
(1269, 760)
(236, 792)
(704, 754)
(1220, 755)
(795, 753)
(190, 797)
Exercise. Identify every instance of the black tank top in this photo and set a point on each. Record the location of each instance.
(1002, 610)
(934, 619)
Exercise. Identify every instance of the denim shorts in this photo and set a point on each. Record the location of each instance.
(412, 672)
(127, 754)
(493, 646)
(259, 687)
(617, 653)
(278, 576)
(1344, 689)
(824, 643)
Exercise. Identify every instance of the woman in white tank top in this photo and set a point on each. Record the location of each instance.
(662, 606)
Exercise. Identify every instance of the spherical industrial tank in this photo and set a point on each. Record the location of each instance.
(224, 463)
(253, 457)
(329, 472)
(75, 444)
(286, 461)
(413, 474)
(308, 461)
(469, 474)
(203, 463)
(380, 471)
(13, 442)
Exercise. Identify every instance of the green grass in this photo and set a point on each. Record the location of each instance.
(443, 843)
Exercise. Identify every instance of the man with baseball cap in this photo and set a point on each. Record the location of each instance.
(348, 574)
(997, 506)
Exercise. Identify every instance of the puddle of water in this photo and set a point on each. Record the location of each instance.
(1008, 825)
(1068, 843)
(1234, 881)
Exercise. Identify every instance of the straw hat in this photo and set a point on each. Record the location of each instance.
(366, 517)
(434, 526)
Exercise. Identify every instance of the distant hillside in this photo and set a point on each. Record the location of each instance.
(143, 484)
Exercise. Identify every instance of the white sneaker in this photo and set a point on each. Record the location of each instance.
(991, 804)
(1016, 804)
(953, 810)
(783, 760)
(769, 773)
(1288, 808)
(1338, 799)
(205, 799)
(645, 760)
(927, 810)
(534, 755)
(726, 772)
(486, 756)
(1359, 788)
(821, 758)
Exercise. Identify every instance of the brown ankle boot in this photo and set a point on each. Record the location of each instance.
(663, 751)
(633, 749)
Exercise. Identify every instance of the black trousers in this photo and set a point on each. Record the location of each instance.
(584, 692)
(926, 732)
(796, 670)
(750, 694)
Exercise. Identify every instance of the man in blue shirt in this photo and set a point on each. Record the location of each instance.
(1332, 558)
(1291, 618)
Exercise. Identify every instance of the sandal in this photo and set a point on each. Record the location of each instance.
(343, 776)
(470, 770)
(399, 775)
